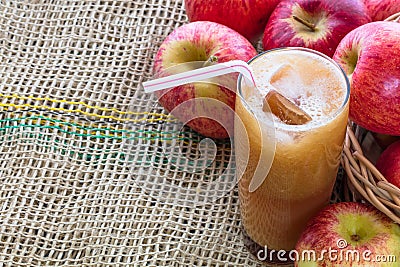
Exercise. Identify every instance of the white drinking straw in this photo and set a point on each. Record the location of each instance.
(199, 74)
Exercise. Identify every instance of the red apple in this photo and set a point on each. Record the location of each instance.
(202, 41)
(381, 9)
(370, 56)
(248, 17)
(349, 234)
(315, 24)
(389, 163)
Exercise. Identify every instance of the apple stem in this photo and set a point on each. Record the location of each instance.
(355, 238)
(210, 60)
(306, 23)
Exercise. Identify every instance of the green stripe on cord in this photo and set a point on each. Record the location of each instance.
(156, 156)
(142, 133)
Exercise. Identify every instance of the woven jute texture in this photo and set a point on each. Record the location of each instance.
(93, 171)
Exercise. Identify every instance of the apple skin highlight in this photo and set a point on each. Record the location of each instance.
(370, 56)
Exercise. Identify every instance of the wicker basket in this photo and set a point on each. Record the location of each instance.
(364, 181)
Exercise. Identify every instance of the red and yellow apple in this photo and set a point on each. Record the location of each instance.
(381, 9)
(315, 24)
(205, 107)
(349, 234)
(389, 163)
(370, 56)
(248, 17)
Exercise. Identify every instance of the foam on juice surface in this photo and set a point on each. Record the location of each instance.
(314, 85)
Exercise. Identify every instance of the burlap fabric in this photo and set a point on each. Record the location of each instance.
(88, 176)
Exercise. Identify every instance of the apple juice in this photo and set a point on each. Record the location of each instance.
(307, 156)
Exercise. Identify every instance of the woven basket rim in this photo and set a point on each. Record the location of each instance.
(395, 17)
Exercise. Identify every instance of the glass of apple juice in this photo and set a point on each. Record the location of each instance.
(280, 193)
